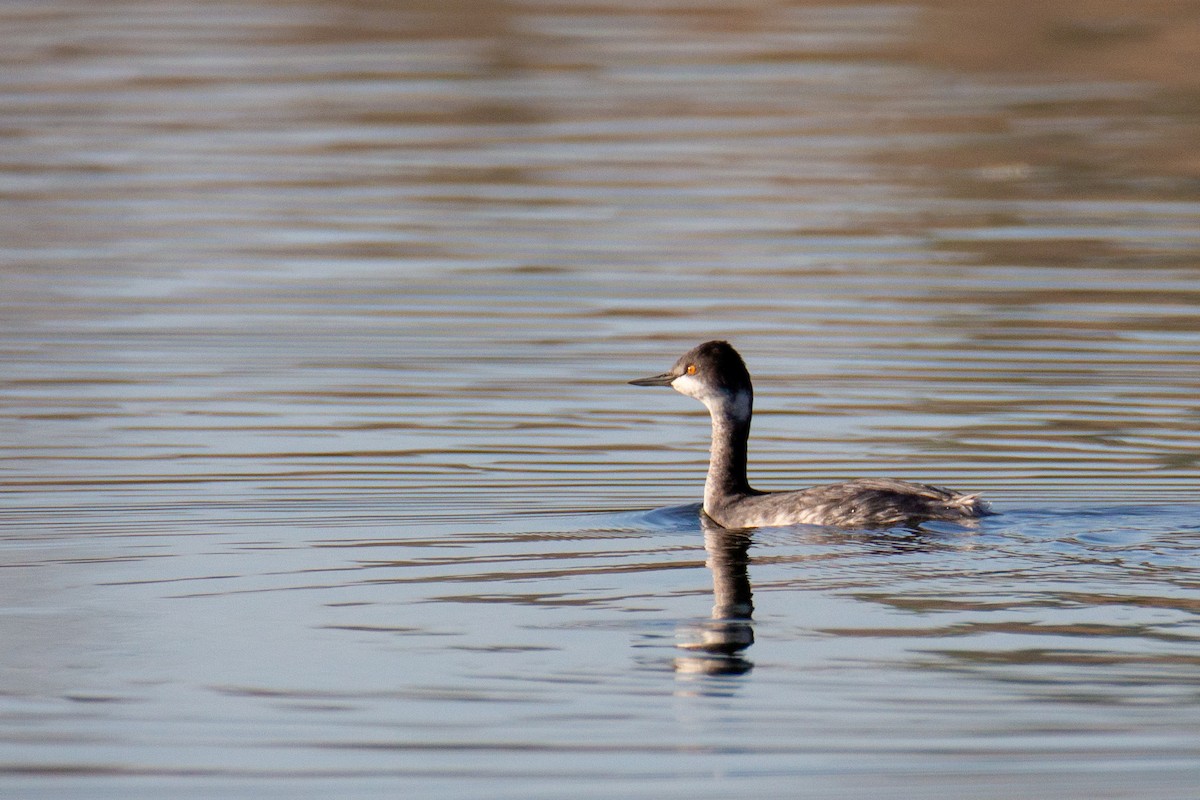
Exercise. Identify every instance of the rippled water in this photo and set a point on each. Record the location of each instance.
(321, 477)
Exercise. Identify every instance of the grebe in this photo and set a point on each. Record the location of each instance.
(715, 374)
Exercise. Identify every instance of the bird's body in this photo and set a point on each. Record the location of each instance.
(861, 503)
(715, 374)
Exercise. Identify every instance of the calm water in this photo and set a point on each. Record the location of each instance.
(321, 477)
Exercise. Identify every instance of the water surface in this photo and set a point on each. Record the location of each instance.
(320, 472)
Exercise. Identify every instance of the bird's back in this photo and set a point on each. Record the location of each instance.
(862, 503)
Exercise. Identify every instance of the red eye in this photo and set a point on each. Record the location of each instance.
(691, 370)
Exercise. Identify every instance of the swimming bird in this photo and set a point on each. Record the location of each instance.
(715, 374)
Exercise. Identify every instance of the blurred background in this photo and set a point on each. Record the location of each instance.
(960, 236)
(324, 310)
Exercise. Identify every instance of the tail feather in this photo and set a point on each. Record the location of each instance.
(970, 504)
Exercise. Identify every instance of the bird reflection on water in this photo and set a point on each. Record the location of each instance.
(716, 646)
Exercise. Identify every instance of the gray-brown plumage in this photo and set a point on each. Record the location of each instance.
(715, 374)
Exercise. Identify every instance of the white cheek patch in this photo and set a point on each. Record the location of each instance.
(738, 405)
(686, 384)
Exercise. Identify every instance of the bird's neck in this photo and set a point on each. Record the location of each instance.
(727, 459)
